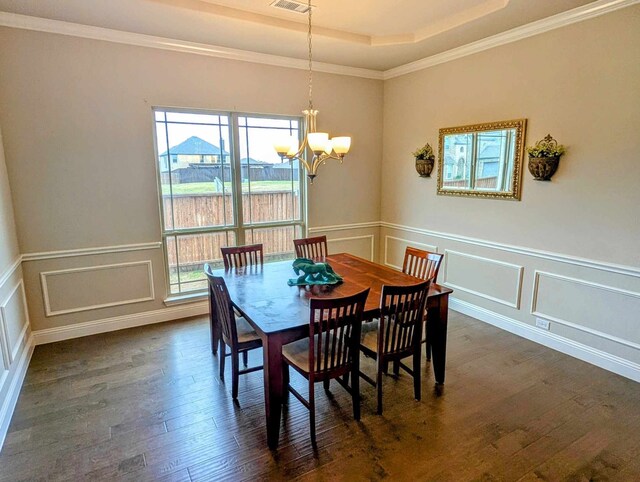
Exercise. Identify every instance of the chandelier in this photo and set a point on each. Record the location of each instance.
(318, 143)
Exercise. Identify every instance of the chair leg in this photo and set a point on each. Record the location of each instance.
(285, 377)
(214, 338)
(355, 392)
(396, 367)
(222, 355)
(312, 412)
(427, 346)
(379, 387)
(235, 373)
(245, 358)
(326, 383)
(416, 374)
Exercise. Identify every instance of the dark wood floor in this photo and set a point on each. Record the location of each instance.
(147, 404)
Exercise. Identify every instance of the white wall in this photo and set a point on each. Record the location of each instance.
(15, 349)
(581, 84)
(81, 161)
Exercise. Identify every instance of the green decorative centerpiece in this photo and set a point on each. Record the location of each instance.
(544, 158)
(313, 273)
(424, 160)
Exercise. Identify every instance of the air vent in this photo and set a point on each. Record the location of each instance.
(291, 6)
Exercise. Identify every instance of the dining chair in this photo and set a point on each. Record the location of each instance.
(312, 248)
(421, 264)
(397, 334)
(239, 256)
(331, 350)
(235, 332)
(424, 265)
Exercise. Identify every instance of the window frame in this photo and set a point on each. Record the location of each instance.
(238, 227)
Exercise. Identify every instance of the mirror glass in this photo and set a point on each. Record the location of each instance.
(482, 160)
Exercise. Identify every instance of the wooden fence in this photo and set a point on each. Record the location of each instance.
(482, 183)
(192, 211)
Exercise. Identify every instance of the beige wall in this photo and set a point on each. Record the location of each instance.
(581, 83)
(81, 162)
(9, 251)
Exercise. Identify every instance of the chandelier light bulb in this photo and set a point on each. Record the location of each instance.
(341, 145)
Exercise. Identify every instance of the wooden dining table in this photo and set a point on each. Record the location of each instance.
(280, 313)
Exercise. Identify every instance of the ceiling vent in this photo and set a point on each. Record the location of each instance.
(291, 6)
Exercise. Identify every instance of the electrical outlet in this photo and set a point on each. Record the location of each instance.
(542, 323)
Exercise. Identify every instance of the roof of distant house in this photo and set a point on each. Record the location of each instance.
(194, 146)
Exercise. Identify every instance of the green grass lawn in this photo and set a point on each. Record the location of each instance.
(209, 187)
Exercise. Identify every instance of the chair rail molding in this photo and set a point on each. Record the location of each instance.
(45, 289)
(548, 255)
(70, 253)
(10, 270)
(343, 227)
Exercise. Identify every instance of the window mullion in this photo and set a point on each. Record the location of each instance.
(236, 174)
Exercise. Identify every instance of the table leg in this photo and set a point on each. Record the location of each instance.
(273, 387)
(437, 319)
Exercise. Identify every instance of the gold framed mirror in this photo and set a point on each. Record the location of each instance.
(482, 160)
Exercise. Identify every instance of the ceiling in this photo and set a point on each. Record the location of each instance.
(371, 34)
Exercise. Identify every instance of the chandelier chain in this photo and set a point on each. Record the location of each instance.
(310, 62)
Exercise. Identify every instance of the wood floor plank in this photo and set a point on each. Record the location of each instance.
(148, 404)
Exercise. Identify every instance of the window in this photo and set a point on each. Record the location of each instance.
(226, 186)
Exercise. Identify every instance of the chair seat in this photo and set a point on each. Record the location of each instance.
(297, 354)
(246, 333)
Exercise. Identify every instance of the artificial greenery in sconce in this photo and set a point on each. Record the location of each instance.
(544, 158)
(424, 160)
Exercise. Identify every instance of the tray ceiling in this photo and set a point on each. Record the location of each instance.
(372, 34)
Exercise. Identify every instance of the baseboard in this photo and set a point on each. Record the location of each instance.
(564, 345)
(51, 335)
(15, 385)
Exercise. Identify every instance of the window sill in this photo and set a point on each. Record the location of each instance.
(185, 299)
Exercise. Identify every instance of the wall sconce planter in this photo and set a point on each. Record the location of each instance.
(425, 160)
(544, 158)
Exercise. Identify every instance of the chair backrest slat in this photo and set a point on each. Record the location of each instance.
(334, 332)
(239, 256)
(222, 306)
(402, 311)
(421, 264)
(312, 248)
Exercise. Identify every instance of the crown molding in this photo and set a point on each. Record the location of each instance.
(39, 24)
(585, 12)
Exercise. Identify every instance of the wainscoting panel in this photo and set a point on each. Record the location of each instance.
(394, 249)
(588, 306)
(92, 287)
(14, 317)
(490, 279)
(363, 246)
